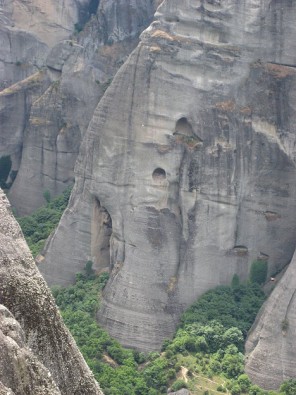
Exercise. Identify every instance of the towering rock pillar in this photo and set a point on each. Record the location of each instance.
(271, 345)
(191, 153)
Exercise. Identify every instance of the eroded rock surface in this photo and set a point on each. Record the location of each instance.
(38, 355)
(45, 136)
(21, 57)
(19, 368)
(51, 20)
(271, 345)
(192, 153)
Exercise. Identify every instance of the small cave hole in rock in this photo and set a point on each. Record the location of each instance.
(184, 134)
(240, 250)
(183, 127)
(159, 174)
(262, 256)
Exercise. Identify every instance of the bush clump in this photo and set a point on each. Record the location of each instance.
(178, 385)
(258, 272)
(38, 226)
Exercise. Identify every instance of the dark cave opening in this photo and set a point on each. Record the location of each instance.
(183, 126)
(159, 174)
(85, 13)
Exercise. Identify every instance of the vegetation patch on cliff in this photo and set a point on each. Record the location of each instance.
(38, 226)
(205, 355)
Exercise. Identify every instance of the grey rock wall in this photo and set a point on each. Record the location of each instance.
(270, 345)
(38, 354)
(78, 68)
(20, 370)
(192, 154)
(124, 19)
(21, 56)
(52, 20)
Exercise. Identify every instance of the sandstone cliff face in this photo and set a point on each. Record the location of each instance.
(21, 56)
(190, 156)
(51, 20)
(38, 355)
(271, 345)
(124, 19)
(78, 68)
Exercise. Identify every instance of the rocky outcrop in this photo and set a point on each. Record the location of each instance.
(124, 19)
(191, 152)
(271, 345)
(78, 70)
(38, 355)
(21, 57)
(52, 20)
(19, 368)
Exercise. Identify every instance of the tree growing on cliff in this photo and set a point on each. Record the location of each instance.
(258, 272)
(289, 387)
(89, 271)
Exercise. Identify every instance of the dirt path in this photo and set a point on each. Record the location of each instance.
(184, 372)
(184, 377)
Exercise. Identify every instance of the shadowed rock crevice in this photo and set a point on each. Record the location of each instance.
(85, 12)
(101, 231)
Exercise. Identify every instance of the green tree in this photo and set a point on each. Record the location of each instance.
(47, 196)
(244, 382)
(233, 336)
(258, 272)
(38, 226)
(89, 271)
(233, 364)
(232, 307)
(289, 387)
(206, 346)
(255, 390)
(201, 344)
(235, 390)
(155, 374)
(178, 384)
(235, 281)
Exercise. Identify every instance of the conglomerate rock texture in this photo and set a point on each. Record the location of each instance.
(52, 79)
(19, 368)
(189, 164)
(38, 355)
